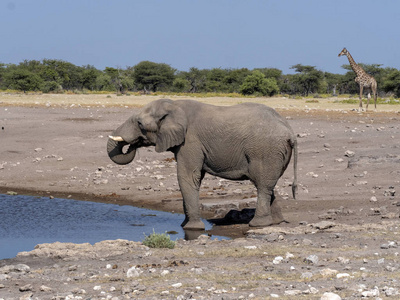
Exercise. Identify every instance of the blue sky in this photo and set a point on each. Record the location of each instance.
(202, 33)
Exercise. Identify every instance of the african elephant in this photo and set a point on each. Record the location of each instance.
(245, 141)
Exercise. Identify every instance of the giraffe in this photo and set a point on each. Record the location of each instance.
(363, 79)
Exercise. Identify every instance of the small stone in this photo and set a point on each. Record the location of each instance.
(389, 291)
(277, 260)
(250, 247)
(26, 288)
(177, 285)
(293, 293)
(44, 288)
(330, 296)
(373, 199)
(343, 260)
(126, 290)
(164, 293)
(328, 272)
(371, 293)
(312, 259)
(133, 272)
(342, 275)
(323, 225)
(349, 153)
(306, 275)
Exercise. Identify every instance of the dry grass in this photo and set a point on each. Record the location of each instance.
(109, 100)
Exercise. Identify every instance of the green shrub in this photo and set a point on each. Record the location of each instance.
(156, 240)
(257, 83)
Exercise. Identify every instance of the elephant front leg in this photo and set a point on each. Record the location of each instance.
(191, 206)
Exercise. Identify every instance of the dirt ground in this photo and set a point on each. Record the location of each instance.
(348, 174)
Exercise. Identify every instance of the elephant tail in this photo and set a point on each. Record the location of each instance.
(293, 143)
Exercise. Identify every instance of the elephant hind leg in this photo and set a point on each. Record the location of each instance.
(263, 216)
(276, 212)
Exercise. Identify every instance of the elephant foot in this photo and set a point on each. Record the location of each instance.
(278, 220)
(261, 221)
(193, 225)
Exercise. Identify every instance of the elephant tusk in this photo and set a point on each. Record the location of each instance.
(116, 138)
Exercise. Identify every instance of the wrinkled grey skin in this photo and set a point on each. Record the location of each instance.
(245, 141)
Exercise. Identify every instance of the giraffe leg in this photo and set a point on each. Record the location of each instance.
(361, 93)
(368, 97)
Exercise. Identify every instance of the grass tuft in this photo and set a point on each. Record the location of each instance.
(156, 240)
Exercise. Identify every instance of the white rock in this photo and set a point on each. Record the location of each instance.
(330, 296)
(277, 260)
(289, 255)
(177, 285)
(312, 259)
(373, 199)
(44, 288)
(164, 273)
(342, 275)
(292, 293)
(164, 293)
(328, 272)
(133, 272)
(371, 293)
(250, 247)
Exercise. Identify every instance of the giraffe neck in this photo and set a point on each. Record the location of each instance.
(356, 68)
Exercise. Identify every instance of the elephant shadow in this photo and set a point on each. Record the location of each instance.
(234, 216)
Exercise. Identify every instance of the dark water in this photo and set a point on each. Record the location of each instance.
(26, 221)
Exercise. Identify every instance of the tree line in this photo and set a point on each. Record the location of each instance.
(51, 75)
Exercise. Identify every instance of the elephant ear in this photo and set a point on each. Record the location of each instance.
(172, 128)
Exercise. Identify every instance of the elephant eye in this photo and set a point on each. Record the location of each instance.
(162, 118)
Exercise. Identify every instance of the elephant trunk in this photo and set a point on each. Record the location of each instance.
(116, 153)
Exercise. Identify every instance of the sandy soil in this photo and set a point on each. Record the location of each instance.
(349, 173)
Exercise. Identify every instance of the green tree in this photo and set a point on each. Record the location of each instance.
(392, 83)
(3, 70)
(271, 73)
(215, 80)
(256, 83)
(153, 76)
(332, 83)
(23, 80)
(88, 77)
(235, 78)
(308, 78)
(196, 78)
(180, 85)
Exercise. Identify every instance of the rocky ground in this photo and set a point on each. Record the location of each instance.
(342, 235)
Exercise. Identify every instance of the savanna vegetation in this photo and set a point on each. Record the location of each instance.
(57, 76)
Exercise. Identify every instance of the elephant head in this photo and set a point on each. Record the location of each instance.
(161, 124)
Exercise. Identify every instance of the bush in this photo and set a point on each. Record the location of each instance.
(50, 86)
(256, 83)
(156, 240)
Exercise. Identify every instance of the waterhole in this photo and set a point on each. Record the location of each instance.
(26, 221)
